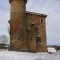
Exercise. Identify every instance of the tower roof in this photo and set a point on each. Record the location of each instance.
(16, 0)
(38, 14)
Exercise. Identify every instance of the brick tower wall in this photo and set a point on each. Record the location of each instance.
(18, 25)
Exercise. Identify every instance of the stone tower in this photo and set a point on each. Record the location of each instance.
(18, 25)
(27, 29)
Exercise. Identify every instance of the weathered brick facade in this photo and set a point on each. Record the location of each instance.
(27, 29)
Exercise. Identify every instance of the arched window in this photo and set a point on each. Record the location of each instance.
(38, 40)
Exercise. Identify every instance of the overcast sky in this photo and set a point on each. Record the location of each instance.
(48, 7)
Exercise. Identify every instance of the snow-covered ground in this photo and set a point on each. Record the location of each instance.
(13, 55)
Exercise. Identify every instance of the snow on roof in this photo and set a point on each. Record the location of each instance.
(37, 14)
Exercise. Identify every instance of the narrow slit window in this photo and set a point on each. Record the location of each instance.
(41, 20)
(18, 38)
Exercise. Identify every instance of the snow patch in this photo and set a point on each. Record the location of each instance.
(51, 49)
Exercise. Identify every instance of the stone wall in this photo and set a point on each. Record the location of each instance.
(39, 27)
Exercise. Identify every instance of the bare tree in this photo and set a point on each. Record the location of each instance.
(3, 39)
